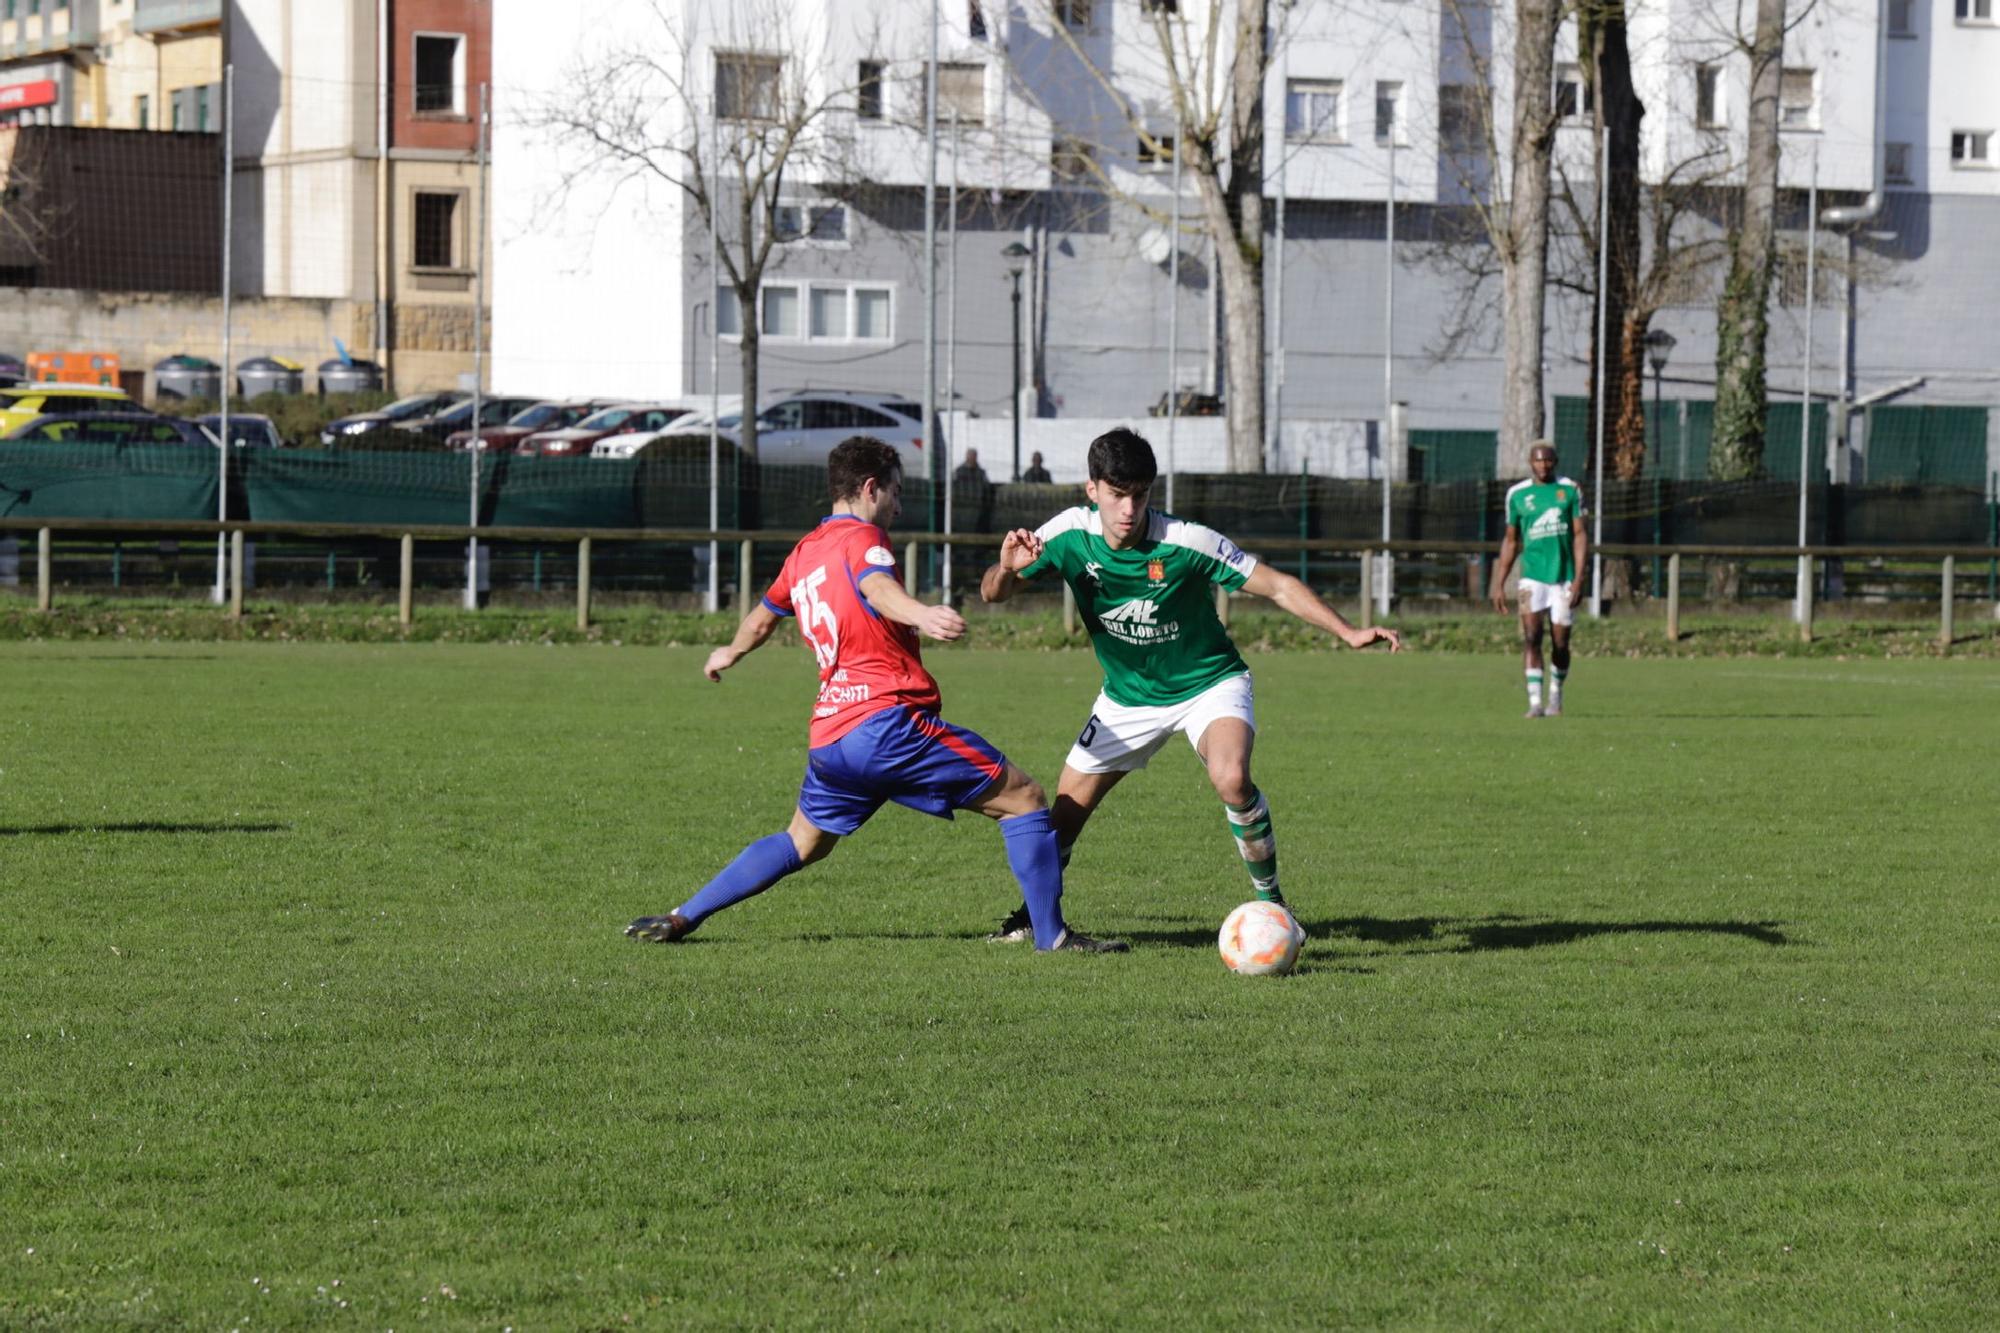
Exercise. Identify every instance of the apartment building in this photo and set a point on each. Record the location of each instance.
(1057, 127)
(356, 140)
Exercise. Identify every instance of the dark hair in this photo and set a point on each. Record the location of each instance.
(855, 460)
(1122, 457)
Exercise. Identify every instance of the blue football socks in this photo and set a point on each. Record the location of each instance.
(755, 869)
(1037, 864)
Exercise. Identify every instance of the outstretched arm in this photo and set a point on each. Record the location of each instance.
(1296, 598)
(888, 598)
(1510, 547)
(1581, 539)
(750, 636)
(1018, 549)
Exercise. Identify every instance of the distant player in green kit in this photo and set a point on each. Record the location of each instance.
(1545, 529)
(1145, 582)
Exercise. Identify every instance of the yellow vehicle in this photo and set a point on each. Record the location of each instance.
(24, 402)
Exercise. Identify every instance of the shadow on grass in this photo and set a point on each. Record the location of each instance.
(137, 826)
(1512, 932)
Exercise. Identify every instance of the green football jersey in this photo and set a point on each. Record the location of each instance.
(1544, 515)
(1150, 608)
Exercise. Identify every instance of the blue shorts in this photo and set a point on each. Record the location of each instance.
(900, 754)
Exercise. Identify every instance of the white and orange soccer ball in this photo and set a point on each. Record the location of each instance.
(1260, 939)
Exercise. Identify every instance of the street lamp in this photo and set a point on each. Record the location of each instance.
(1659, 346)
(1016, 255)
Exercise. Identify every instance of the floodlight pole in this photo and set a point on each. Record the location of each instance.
(1174, 322)
(478, 364)
(950, 338)
(1603, 342)
(221, 594)
(931, 450)
(1804, 591)
(712, 598)
(1382, 588)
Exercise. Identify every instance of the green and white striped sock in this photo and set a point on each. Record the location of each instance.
(1256, 844)
(1534, 689)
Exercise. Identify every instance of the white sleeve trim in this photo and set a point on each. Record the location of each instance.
(1204, 540)
(1080, 518)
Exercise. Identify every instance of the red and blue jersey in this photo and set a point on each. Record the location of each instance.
(866, 663)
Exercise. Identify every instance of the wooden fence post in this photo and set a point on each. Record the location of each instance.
(236, 575)
(1674, 598)
(1806, 602)
(1950, 596)
(910, 569)
(583, 583)
(406, 578)
(44, 586)
(1367, 617)
(744, 552)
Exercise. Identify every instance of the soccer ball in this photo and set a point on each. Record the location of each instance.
(1260, 939)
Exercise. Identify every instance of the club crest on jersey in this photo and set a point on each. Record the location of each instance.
(1092, 572)
(1156, 571)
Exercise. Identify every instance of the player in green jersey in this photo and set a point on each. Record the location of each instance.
(1545, 529)
(1144, 581)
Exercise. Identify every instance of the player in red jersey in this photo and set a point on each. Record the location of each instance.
(876, 734)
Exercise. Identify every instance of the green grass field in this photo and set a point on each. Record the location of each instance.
(1683, 1010)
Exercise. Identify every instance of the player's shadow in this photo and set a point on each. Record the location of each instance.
(136, 826)
(1479, 935)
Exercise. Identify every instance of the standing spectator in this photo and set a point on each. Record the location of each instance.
(1036, 472)
(969, 472)
(972, 495)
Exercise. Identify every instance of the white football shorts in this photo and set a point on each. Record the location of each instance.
(1550, 597)
(1121, 739)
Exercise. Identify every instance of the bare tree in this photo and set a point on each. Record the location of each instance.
(1213, 72)
(721, 116)
(1742, 317)
(29, 220)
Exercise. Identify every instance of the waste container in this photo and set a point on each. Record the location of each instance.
(187, 377)
(267, 374)
(356, 376)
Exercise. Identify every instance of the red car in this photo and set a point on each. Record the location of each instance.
(505, 439)
(575, 441)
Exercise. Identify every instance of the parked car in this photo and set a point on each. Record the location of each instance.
(22, 403)
(576, 441)
(627, 443)
(403, 409)
(802, 429)
(113, 428)
(507, 437)
(493, 411)
(246, 430)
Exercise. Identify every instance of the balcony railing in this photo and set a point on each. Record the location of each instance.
(167, 15)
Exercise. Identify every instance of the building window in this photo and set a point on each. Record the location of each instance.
(1798, 100)
(1575, 98)
(828, 312)
(439, 84)
(975, 21)
(1709, 113)
(780, 313)
(1071, 161)
(746, 85)
(1459, 116)
(1974, 11)
(143, 113)
(961, 93)
(1155, 151)
(1159, 6)
(174, 113)
(872, 312)
(868, 91)
(1074, 13)
(1902, 21)
(201, 109)
(825, 224)
(1389, 113)
(1972, 148)
(1896, 163)
(434, 239)
(728, 313)
(1312, 110)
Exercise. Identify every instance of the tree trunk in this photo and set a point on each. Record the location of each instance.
(1620, 112)
(1743, 316)
(746, 435)
(1524, 256)
(1628, 400)
(1240, 203)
